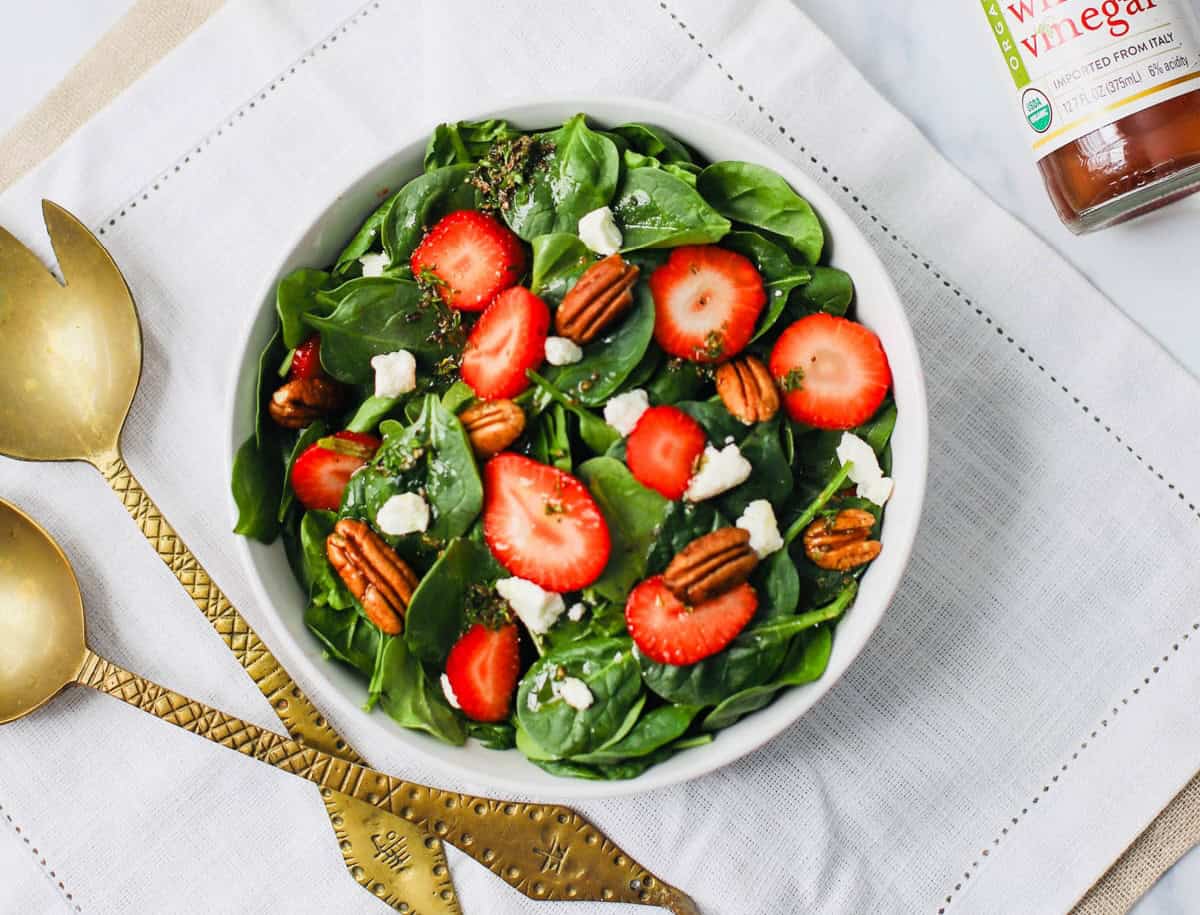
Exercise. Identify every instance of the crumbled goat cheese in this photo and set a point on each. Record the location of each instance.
(575, 612)
(448, 692)
(403, 514)
(374, 264)
(759, 519)
(624, 410)
(718, 472)
(574, 692)
(598, 230)
(395, 373)
(538, 609)
(872, 484)
(561, 351)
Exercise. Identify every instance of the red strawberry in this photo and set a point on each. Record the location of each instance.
(662, 450)
(833, 371)
(706, 303)
(670, 632)
(321, 472)
(474, 254)
(483, 668)
(508, 339)
(306, 360)
(542, 524)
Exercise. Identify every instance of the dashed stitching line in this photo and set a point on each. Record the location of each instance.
(41, 860)
(958, 293)
(235, 117)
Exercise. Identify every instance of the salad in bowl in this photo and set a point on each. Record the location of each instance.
(576, 447)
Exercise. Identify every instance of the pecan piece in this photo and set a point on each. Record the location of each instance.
(492, 425)
(748, 390)
(380, 580)
(842, 543)
(711, 565)
(601, 295)
(302, 400)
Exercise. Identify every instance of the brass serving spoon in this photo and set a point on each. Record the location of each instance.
(543, 850)
(72, 356)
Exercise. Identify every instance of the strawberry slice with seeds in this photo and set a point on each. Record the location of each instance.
(483, 668)
(323, 469)
(542, 524)
(671, 632)
(508, 339)
(663, 448)
(706, 303)
(306, 359)
(833, 371)
(473, 255)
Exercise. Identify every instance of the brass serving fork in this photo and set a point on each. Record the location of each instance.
(73, 360)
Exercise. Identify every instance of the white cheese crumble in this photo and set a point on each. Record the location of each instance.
(561, 351)
(872, 484)
(374, 264)
(598, 230)
(624, 410)
(717, 472)
(574, 692)
(576, 611)
(759, 519)
(448, 692)
(538, 609)
(403, 514)
(395, 373)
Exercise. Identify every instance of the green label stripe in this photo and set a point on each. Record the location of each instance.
(1008, 47)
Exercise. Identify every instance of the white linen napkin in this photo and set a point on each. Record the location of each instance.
(1028, 702)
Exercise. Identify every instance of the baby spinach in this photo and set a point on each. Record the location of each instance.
(654, 730)
(559, 259)
(685, 172)
(325, 587)
(364, 240)
(719, 425)
(633, 513)
(498, 736)
(656, 209)
(772, 476)
(258, 488)
(676, 380)
(598, 435)
(420, 204)
(464, 141)
(307, 436)
(578, 175)
(371, 412)
(346, 635)
(436, 614)
(410, 697)
(653, 141)
(831, 290)
(780, 275)
(610, 672)
(550, 442)
(295, 296)
(759, 197)
(602, 621)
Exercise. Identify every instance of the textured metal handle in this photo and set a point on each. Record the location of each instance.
(358, 826)
(543, 850)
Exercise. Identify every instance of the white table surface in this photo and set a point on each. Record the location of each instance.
(953, 92)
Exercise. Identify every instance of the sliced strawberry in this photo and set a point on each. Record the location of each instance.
(669, 631)
(833, 372)
(475, 255)
(663, 448)
(483, 667)
(508, 339)
(306, 360)
(542, 524)
(321, 472)
(706, 303)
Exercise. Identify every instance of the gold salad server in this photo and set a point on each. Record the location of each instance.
(72, 358)
(545, 851)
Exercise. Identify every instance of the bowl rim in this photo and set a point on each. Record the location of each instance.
(791, 703)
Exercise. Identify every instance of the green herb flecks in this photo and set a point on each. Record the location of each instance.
(508, 165)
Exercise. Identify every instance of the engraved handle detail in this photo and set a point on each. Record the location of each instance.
(544, 851)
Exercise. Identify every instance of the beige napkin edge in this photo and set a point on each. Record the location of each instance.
(147, 32)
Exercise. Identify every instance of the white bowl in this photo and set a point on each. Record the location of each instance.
(877, 306)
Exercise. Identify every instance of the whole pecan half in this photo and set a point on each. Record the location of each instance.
(299, 402)
(842, 543)
(601, 295)
(492, 425)
(748, 390)
(711, 565)
(374, 573)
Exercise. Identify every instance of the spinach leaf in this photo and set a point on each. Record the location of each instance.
(676, 380)
(719, 424)
(580, 175)
(772, 476)
(378, 315)
(654, 730)
(410, 698)
(295, 296)
(498, 736)
(633, 513)
(643, 371)
(371, 412)
(306, 437)
(778, 581)
(780, 275)
(559, 259)
(268, 359)
(325, 586)
(653, 141)
(436, 615)
(598, 435)
(257, 485)
(346, 635)
(610, 672)
(464, 141)
(457, 396)
(655, 209)
(831, 290)
(421, 203)
(364, 239)
(603, 621)
(551, 439)
(684, 171)
(759, 197)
